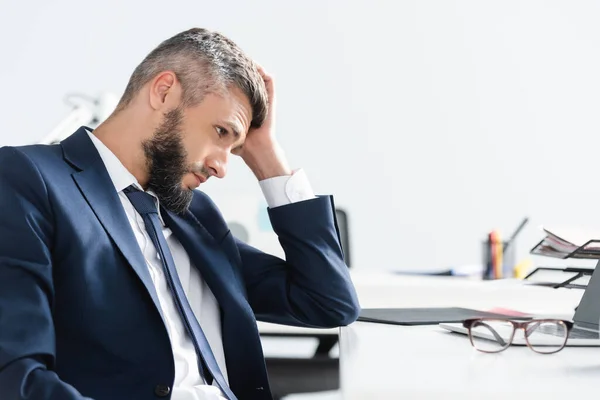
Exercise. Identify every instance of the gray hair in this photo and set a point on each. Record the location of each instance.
(204, 62)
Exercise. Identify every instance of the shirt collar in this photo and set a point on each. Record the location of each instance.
(119, 175)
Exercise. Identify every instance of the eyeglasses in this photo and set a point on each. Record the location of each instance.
(545, 336)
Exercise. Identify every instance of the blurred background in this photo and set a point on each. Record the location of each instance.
(432, 122)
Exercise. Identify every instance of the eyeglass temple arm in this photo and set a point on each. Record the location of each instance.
(499, 338)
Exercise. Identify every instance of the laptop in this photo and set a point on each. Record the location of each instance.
(585, 321)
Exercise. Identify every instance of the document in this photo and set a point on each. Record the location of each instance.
(563, 242)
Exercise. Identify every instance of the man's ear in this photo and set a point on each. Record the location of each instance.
(164, 91)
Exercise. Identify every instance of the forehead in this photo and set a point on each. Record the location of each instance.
(230, 105)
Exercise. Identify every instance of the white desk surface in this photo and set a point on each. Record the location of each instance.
(390, 361)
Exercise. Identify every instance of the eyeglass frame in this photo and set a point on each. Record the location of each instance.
(468, 323)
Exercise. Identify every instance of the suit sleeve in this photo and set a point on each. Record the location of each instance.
(27, 341)
(312, 287)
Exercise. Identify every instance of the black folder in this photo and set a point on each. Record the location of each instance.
(426, 316)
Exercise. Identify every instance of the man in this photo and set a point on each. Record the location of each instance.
(118, 280)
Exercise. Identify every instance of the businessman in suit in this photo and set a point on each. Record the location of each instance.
(120, 281)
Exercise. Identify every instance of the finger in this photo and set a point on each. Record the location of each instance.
(267, 79)
(270, 86)
(269, 83)
(263, 73)
(260, 69)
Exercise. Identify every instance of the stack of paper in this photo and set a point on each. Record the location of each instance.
(569, 243)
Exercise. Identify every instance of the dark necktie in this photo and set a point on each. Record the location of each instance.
(146, 207)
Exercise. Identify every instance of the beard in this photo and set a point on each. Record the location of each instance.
(166, 159)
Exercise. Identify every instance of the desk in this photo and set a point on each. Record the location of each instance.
(391, 361)
(393, 290)
(386, 289)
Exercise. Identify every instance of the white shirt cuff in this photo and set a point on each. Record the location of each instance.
(287, 189)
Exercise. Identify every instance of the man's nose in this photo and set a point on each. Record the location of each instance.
(218, 166)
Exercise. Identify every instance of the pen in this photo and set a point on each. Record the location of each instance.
(516, 232)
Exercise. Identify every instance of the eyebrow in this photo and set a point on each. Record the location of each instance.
(234, 128)
(236, 132)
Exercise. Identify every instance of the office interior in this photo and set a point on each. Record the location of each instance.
(436, 125)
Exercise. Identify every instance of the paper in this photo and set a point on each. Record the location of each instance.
(568, 242)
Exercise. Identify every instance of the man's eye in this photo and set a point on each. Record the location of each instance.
(221, 131)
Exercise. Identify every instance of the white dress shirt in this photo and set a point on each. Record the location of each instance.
(189, 384)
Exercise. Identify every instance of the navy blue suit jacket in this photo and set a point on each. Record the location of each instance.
(79, 315)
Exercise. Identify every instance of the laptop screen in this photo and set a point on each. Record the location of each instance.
(588, 310)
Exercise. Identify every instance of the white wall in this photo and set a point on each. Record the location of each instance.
(432, 122)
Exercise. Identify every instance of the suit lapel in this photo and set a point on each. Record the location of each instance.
(97, 188)
(241, 340)
(206, 255)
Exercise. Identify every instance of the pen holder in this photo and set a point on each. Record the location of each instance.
(499, 259)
